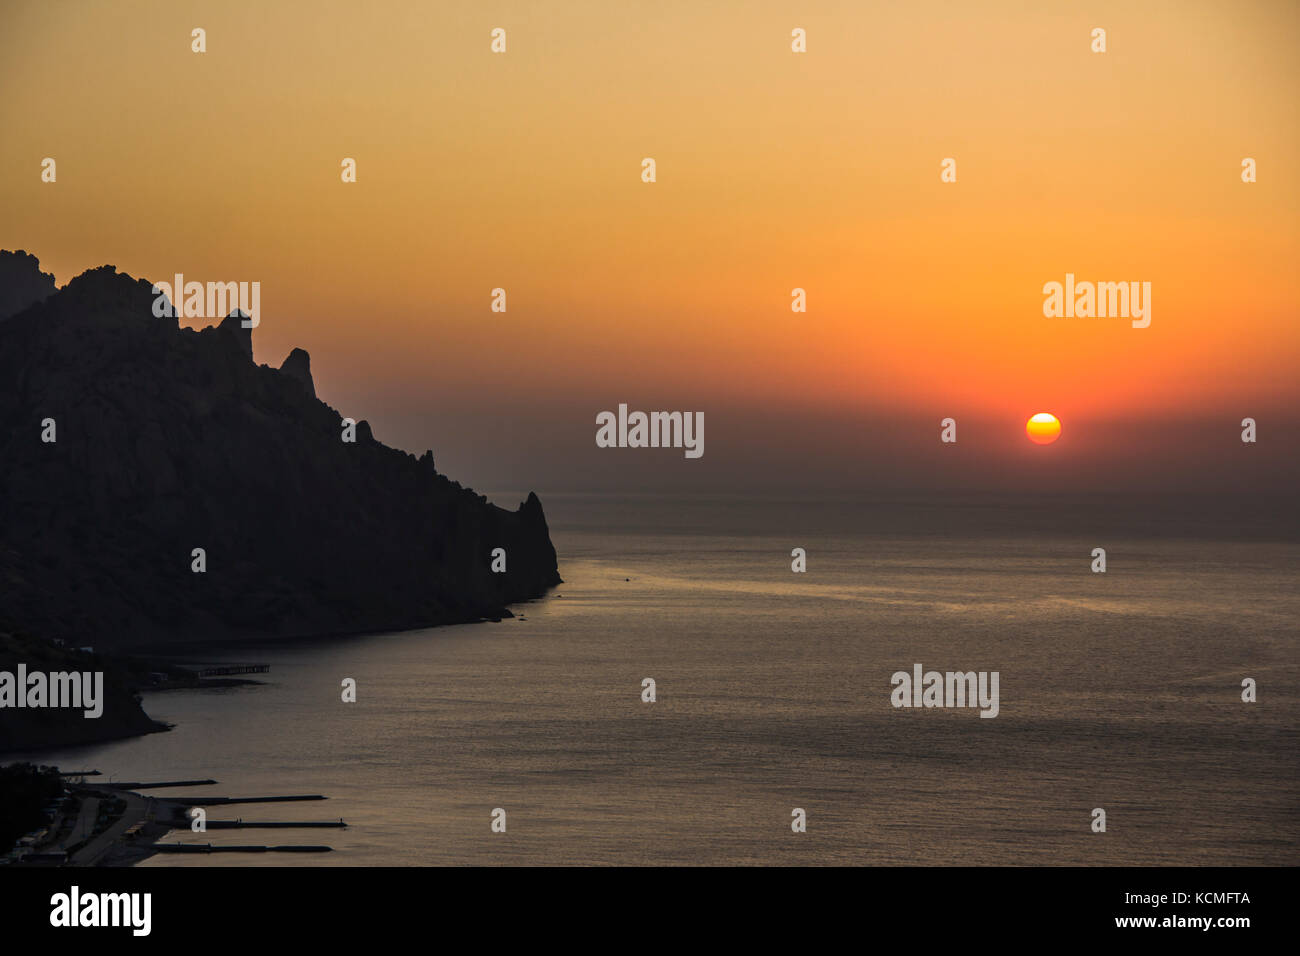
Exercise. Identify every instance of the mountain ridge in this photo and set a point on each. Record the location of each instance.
(169, 439)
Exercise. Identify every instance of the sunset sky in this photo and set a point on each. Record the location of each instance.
(775, 170)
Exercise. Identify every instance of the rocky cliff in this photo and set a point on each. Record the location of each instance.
(168, 440)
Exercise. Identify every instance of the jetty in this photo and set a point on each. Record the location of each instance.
(227, 670)
(214, 848)
(223, 801)
(274, 825)
(159, 784)
(137, 822)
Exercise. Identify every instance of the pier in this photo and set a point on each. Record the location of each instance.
(159, 784)
(226, 670)
(274, 825)
(211, 848)
(222, 801)
(136, 823)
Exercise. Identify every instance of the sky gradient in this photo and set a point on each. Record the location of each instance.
(775, 171)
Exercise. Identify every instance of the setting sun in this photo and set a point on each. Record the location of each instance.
(1043, 429)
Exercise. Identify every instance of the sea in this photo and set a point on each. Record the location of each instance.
(1119, 691)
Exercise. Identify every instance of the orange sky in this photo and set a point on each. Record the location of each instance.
(775, 170)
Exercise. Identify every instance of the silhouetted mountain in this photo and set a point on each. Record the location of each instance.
(170, 439)
(22, 282)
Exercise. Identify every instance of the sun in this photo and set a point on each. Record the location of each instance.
(1043, 429)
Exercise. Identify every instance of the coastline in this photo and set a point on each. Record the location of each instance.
(167, 656)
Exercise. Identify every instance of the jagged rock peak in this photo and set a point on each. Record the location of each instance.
(298, 367)
(104, 288)
(234, 324)
(22, 283)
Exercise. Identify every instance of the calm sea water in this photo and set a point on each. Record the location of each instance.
(1119, 691)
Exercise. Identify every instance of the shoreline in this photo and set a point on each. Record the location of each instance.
(166, 656)
(184, 649)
